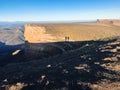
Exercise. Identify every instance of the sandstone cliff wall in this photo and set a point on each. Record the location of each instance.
(107, 21)
(35, 34)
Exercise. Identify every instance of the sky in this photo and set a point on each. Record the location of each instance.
(58, 10)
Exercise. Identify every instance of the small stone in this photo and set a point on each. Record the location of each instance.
(79, 68)
(16, 52)
(5, 80)
(87, 45)
(47, 82)
(97, 63)
(65, 71)
(107, 59)
(49, 66)
(43, 76)
(89, 58)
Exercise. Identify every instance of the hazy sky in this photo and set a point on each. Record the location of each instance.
(52, 10)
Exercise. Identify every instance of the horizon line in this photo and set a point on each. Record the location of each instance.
(59, 20)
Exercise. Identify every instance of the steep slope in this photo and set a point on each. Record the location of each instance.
(12, 35)
(17, 38)
(37, 34)
(11, 38)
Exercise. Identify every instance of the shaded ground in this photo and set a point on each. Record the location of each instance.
(93, 66)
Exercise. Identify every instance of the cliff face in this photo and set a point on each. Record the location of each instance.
(34, 33)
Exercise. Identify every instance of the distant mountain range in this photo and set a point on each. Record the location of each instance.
(16, 23)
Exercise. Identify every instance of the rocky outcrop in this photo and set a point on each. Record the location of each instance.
(107, 21)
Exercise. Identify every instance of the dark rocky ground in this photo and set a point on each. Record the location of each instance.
(94, 65)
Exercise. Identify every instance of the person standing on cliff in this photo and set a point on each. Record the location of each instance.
(67, 39)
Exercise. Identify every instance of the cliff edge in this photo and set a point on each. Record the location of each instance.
(42, 33)
(35, 33)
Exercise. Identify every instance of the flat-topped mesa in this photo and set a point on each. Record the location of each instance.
(37, 33)
(108, 21)
(42, 37)
(44, 33)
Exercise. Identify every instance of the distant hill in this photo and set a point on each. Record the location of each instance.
(110, 22)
